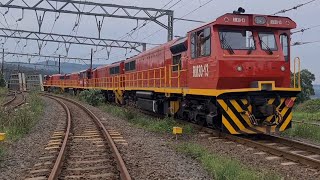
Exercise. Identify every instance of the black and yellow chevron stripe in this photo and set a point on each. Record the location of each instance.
(237, 123)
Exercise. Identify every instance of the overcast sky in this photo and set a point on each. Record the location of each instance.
(305, 16)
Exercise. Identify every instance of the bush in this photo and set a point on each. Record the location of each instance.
(16, 124)
(2, 81)
(92, 97)
(310, 106)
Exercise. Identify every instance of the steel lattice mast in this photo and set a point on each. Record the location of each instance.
(95, 9)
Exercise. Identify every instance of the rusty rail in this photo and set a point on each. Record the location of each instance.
(305, 122)
(13, 99)
(10, 100)
(61, 156)
(274, 150)
(124, 174)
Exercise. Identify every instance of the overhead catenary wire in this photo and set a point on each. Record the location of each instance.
(294, 7)
(177, 19)
(303, 43)
(302, 30)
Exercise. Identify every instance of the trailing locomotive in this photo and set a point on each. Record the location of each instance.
(232, 74)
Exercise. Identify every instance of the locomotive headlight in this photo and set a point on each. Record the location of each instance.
(260, 20)
(283, 68)
(239, 68)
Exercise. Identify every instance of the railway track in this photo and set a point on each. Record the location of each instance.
(296, 151)
(306, 122)
(18, 98)
(303, 153)
(80, 148)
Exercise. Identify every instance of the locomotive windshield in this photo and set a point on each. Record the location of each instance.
(268, 41)
(236, 39)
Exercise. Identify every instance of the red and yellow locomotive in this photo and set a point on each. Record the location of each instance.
(232, 74)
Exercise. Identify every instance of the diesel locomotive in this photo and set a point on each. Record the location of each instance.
(231, 74)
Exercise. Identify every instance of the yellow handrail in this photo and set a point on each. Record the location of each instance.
(296, 63)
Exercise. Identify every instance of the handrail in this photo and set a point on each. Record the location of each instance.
(296, 63)
(155, 77)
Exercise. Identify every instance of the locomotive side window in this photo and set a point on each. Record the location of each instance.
(176, 62)
(284, 40)
(115, 70)
(130, 66)
(201, 43)
(268, 41)
(193, 45)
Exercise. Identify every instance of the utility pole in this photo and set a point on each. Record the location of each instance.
(2, 64)
(59, 63)
(91, 58)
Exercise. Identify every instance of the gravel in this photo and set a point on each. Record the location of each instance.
(22, 154)
(247, 156)
(149, 155)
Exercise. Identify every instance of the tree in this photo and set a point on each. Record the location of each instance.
(2, 81)
(306, 85)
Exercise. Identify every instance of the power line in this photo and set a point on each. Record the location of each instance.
(45, 56)
(294, 7)
(303, 43)
(67, 39)
(98, 10)
(305, 29)
(177, 19)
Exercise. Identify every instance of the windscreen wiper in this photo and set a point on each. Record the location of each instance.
(251, 47)
(268, 50)
(227, 46)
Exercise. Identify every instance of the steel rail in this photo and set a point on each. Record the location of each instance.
(124, 174)
(62, 153)
(305, 122)
(270, 149)
(13, 99)
(10, 100)
(279, 152)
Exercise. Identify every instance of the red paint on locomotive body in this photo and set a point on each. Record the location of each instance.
(217, 64)
(256, 64)
(232, 74)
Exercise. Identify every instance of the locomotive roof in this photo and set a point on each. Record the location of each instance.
(246, 20)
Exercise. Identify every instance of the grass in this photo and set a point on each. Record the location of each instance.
(304, 116)
(306, 131)
(307, 112)
(221, 167)
(146, 122)
(18, 123)
(2, 152)
(3, 91)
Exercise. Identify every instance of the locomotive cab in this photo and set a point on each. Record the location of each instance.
(245, 60)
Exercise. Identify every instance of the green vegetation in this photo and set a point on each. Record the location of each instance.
(3, 91)
(16, 124)
(152, 124)
(309, 113)
(221, 167)
(306, 85)
(2, 152)
(311, 106)
(92, 97)
(2, 81)
(306, 131)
